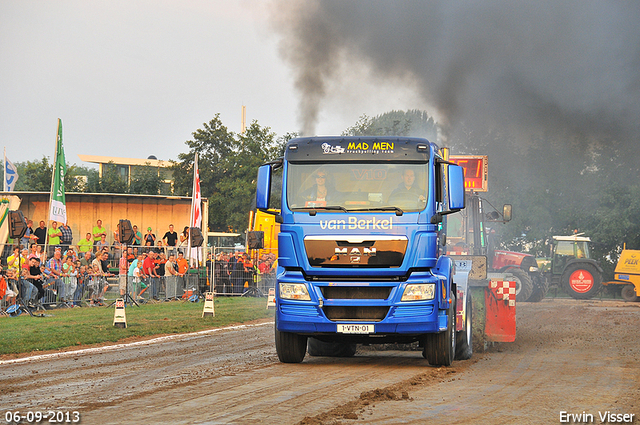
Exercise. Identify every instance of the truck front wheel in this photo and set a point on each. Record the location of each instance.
(290, 347)
(440, 348)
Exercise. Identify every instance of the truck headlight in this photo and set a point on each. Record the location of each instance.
(418, 292)
(294, 291)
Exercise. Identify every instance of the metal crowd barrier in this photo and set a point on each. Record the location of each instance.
(231, 278)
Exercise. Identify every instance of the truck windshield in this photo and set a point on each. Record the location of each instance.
(357, 186)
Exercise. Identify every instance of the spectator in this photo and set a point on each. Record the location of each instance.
(34, 251)
(160, 261)
(82, 279)
(29, 237)
(135, 276)
(41, 255)
(123, 268)
(35, 276)
(54, 267)
(54, 235)
(69, 277)
(171, 277)
(170, 239)
(6, 291)
(149, 238)
(183, 270)
(184, 239)
(86, 244)
(149, 268)
(86, 260)
(221, 272)
(138, 277)
(100, 273)
(72, 254)
(66, 238)
(137, 236)
(102, 244)
(41, 234)
(98, 231)
(130, 256)
(16, 260)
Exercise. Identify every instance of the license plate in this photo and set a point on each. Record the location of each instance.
(355, 329)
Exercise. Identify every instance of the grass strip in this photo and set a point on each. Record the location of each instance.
(68, 327)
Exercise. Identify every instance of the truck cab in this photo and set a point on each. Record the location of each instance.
(360, 245)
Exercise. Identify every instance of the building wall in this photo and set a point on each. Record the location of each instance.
(83, 210)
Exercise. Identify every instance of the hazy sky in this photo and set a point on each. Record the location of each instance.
(136, 78)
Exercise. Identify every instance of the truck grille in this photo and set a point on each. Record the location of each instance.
(356, 313)
(355, 292)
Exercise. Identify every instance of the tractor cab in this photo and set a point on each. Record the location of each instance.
(567, 248)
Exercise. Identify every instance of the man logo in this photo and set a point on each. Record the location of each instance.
(355, 251)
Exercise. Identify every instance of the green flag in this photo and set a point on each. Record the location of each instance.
(58, 211)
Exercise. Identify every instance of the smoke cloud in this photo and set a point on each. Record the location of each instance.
(567, 65)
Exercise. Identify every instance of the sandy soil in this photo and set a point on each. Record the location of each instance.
(571, 356)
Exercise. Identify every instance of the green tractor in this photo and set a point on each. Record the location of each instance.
(571, 267)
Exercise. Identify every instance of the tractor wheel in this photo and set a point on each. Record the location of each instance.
(524, 286)
(581, 280)
(629, 293)
(440, 348)
(464, 345)
(315, 347)
(540, 288)
(290, 347)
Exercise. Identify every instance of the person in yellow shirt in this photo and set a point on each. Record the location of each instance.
(98, 232)
(53, 235)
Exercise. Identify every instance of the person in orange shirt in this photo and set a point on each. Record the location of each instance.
(183, 269)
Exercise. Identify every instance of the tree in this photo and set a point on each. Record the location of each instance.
(145, 180)
(228, 165)
(412, 123)
(111, 181)
(34, 176)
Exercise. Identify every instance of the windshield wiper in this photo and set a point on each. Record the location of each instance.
(313, 210)
(398, 211)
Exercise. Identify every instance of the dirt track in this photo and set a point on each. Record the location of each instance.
(571, 356)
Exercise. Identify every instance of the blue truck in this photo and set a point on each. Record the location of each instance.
(361, 247)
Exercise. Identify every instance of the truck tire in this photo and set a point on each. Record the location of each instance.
(581, 280)
(540, 288)
(290, 347)
(524, 286)
(318, 348)
(464, 338)
(629, 293)
(440, 348)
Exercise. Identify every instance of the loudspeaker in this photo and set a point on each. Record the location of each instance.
(196, 236)
(255, 239)
(125, 232)
(17, 224)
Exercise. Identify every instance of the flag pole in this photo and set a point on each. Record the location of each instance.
(193, 200)
(53, 175)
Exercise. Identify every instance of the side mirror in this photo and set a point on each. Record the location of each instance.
(263, 187)
(506, 212)
(456, 187)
